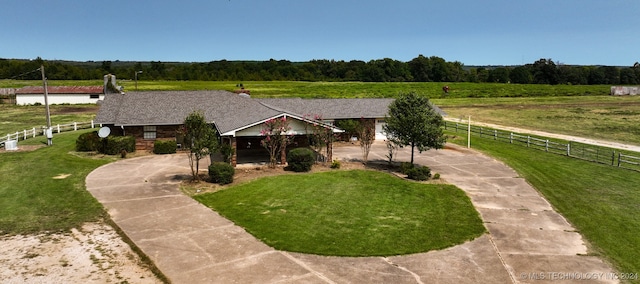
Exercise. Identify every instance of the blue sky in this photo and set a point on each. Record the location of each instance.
(491, 32)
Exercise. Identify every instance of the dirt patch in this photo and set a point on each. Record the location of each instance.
(75, 109)
(94, 253)
(23, 148)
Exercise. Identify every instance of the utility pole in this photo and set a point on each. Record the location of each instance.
(46, 104)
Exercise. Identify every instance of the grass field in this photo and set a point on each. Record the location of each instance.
(17, 118)
(345, 89)
(600, 117)
(601, 201)
(43, 190)
(349, 213)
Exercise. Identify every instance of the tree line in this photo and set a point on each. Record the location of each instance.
(419, 69)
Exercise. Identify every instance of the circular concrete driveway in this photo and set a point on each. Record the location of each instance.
(190, 243)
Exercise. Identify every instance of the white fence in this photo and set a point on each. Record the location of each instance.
(582, 151)
(33, 132)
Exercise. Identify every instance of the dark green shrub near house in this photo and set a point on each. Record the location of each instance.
(419, 173)
(115, 145)
(87, 142)
(227, 152)
(301, 159)
(221, 172)
(165, 146)
(405, 167)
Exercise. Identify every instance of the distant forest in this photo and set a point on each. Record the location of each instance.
(419, 69)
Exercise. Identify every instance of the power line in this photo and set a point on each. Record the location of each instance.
(24, 74)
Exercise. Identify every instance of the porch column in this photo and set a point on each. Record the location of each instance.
(330, 151)
(234, 146)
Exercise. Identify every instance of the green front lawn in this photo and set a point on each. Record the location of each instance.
(44, 189)
(349, 213)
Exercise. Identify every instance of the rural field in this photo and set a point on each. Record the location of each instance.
(599, 200)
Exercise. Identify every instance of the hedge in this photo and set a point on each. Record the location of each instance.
(221, 172)
(115, 145)
(88, 142)
(165, 146)
(301, 159)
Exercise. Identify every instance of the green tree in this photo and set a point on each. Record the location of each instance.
(201, 139)
(413, 121)
(366, 130)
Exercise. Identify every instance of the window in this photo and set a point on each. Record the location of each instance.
(94, 96)
(149, 132)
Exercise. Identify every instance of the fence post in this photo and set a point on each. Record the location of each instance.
(619, 156)
(8, 137)
(569, 148)
(75, 126)
(511, 138)
(25, 134)
(528, 140)
(456, 127)
(613, 157)
(546, 146)
(34, 132)
(58, 128)
(495, 134)
(480, 131)
(92, 124)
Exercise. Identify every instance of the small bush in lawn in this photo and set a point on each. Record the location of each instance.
(87, 142)
(405, 167)
(335, 164)
(419, 173)
(436, 176)
(115, 145)
(165, 146)
(221, 172)
(301, 159)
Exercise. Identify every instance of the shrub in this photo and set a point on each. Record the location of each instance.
(165, 146)
(88, 142)
(335, 164)
(436, 176)
(301, 159)
(227, 152)
(115, 145)
(221, 172)
(419, 173)
(405, 167)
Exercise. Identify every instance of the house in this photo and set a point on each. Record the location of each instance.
(238, 119)
(59, 95)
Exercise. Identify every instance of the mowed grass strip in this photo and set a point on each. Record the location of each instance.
(349, 213)
(44, 189)
(601, 201)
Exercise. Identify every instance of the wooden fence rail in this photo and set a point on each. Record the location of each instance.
(582, 151)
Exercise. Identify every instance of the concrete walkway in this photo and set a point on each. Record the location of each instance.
(528, 242)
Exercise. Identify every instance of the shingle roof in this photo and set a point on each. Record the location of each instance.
(61, 90)
(227, 110)
(333, 108)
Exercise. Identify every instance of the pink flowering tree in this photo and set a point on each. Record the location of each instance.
(276, 138)
(320, 136)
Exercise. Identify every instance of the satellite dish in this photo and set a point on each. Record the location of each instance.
(104, 132)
